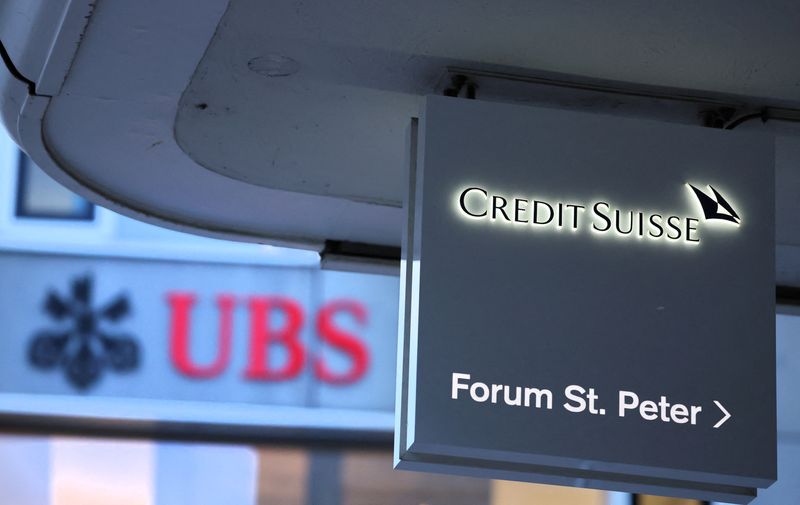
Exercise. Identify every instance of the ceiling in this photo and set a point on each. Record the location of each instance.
(285, 121)
(336, 126)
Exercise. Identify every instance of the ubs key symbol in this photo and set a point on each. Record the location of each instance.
(82, 340)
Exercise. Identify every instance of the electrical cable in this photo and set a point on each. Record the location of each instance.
(747, 117)
(15, 72)
(765, 115)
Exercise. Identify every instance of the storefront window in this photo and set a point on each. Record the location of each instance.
(83, 471)
(663, 500)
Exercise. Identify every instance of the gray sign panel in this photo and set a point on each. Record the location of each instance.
(588, 301)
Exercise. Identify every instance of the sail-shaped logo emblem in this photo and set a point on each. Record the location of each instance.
(715, 206)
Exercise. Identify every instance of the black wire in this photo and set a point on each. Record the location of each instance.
(765, 114)
(15, 72)
(747, 117)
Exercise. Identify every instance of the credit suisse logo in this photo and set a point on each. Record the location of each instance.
(84, 340)
(598, 217)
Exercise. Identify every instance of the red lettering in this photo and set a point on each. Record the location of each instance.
(180, 335)
(343, 341)
(263, 335)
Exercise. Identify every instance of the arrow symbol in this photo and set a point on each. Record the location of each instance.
(725, 417)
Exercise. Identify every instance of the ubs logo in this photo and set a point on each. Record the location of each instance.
(82, 340)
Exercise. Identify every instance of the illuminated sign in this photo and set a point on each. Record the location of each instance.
(600, 217)
(716, 207)
(588, 301)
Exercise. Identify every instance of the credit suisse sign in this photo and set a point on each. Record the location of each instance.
(195, 342)
(588, 301)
